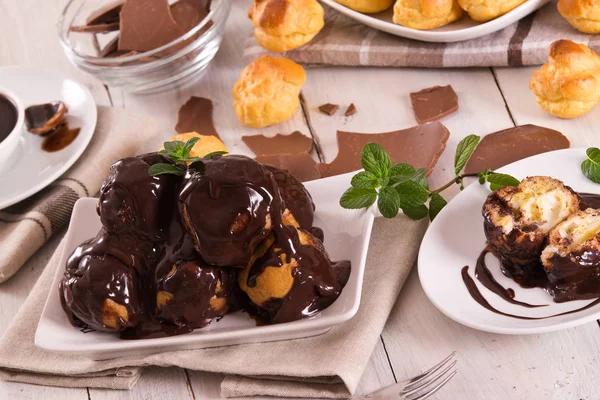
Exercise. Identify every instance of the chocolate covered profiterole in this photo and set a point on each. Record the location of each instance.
(173, 248)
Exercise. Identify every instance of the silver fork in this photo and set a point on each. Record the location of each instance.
(421, 386)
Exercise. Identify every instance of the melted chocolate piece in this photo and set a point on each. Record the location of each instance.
(8, 117)
(147, 25)
(60, 138)
(421, 146)
(318, 233)
(504, 147)
(329, 108)
(196, 116)
(133, 202)
(294, 143)
(295, 196)
(239, 203)
(434, 103)
(42, 119)
(479, 298)
(301, 165)
(351, 110)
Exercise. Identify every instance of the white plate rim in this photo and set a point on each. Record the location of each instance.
(458, 35)
(74, 157)
(446, 308)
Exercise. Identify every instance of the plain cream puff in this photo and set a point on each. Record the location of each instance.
(282, 25)
(367, 6)
(267, 92)
(569, 85)
(583, 15)
(485, 10)
(426, 14)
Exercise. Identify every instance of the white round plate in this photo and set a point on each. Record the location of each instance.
(456, 238)
(32, 169)
(463, 29)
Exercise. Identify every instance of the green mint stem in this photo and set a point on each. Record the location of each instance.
(456, 179)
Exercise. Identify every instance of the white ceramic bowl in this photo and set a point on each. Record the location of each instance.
(9, 145)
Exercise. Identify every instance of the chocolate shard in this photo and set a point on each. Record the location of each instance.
(301, 165)
(196, 116)
(329, 108)
(421, 146)
(98, 28)
(293, 143)
(504, 147)
(106, 15)
(434, 103)
(188, 14)
(147, 25)
(351, 110)
(41, 119)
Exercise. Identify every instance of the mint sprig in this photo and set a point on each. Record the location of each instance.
(396, 187)
(591, 166)
(180, 154)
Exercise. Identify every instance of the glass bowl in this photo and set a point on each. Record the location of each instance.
(149, 71)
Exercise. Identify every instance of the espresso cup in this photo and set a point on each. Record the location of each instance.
(12, 121)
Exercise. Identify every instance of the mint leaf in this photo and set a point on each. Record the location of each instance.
(171, 147)
(354, 198)
(498, 181)
(400, 173)
(464, 151)
(436, 204)
(416, 213)
(388, 202)
(215, 153)
(591, 166)
(365, 180)
(375, 159)
(164, 168)
(420, 177)
(412, 195)
(189, 145)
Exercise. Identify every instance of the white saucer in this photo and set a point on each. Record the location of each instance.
(463, 29)
(33, 169)
(456, 238)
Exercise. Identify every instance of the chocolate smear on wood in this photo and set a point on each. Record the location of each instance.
(421, 146)
(196, 116)
(147, 25)
(351, 110)
(293, 143)
(301, 165)
(329, 108)
(504, 147)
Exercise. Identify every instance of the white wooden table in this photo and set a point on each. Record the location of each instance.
(561, 365)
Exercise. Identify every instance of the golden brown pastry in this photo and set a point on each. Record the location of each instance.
(583, 15)
(367, 6)
(282, 25)
(485, 10)
(267, 91)
(569, 85)
(426, 14)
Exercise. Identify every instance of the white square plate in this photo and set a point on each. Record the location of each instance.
(347, 234)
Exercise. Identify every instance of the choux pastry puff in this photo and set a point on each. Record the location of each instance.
(267, 92)
(367, 6)
(569, 85)
(486, 10)
(282, 25)
(583, 15)
(426, 14)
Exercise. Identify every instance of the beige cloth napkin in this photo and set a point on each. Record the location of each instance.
(27, 225)
(344, 41)
(328, 365)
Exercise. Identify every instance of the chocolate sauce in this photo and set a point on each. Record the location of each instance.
(151, 270)
(295, 196)
(8, 117)
(479, 298)
(60, 138)
(590, 200)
